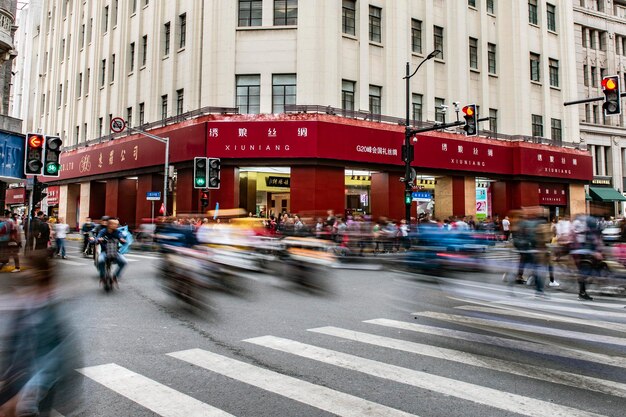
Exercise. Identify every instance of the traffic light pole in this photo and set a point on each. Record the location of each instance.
(166, 141)
(588, 100)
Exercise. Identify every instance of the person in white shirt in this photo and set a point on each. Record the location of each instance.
(506, 228)
(60, 233)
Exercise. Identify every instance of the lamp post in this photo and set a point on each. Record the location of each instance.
(408, 148)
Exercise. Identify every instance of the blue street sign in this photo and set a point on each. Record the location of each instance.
(12, 156)
(422, 195)
(153, 195)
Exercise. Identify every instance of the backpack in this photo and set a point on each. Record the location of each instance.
(6, 227)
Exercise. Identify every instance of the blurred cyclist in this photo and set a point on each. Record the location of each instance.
(111, 234)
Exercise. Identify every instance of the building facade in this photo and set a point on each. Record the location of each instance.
(600, 39)
(167, 64)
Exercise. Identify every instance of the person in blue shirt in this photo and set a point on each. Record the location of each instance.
(111, 234)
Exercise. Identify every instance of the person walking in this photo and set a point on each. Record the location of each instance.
(61, 230)
(506, 228)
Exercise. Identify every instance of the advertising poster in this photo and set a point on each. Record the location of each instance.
(482, 206)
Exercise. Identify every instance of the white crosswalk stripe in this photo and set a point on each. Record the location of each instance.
(158, 398)
(529, 328)
(459, 389)
(504, 342)
(514, 368)
(317, 396)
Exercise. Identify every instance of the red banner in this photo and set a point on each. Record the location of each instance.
(15, 196)
(552, 195)
(53, 195)
(547, 162)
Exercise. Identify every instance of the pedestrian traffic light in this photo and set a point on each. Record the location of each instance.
(52, 156)
(612, 95)
(204, 200)
(214, 173)
(471, 120)
(199, 172)
(38, 192)
(408, 197)
(33, 155)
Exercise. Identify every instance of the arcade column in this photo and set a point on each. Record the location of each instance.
(85, 197)
(187, 197)
(316, 189)
(387, 196)
(524, 194)
(576, 199)
(228, 194)
(455, 196)
(69, 200)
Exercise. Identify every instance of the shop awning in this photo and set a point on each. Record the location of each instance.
(605, 194)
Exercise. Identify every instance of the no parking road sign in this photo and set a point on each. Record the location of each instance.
(118, 124)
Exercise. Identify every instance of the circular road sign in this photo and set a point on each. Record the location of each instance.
(117, 124)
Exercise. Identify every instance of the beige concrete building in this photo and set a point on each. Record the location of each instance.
(600, 39)
(145, 60)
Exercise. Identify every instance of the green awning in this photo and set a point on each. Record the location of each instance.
(605, 194)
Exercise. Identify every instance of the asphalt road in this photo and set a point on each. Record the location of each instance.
(375, 343)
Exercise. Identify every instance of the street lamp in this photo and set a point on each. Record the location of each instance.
(408, 148)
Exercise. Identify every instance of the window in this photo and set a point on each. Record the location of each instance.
(43, 104)
(440, 110)
(100, 124)
(537, 125)
(491, 58)
(624, 45)
(375, 99)
(491, 7)
(473, 53)
(145, 2)
(103, 70)
(113, 68)
(600, 5)
(493, 120)
(85, 132)
(438, 40)
(586, 75)
(416, 36)
(164, 106)
(602, 36)
(594, 76)
(76, 134)
(471, 3)
(144, 50)
(82, 36)
(60, 95)
(587, 113)
(142, 119)
(556, 130)
(89, 31)
(182, 24)
(115, 8)
(583, 33)
(348, 17)
(180, 101)
(534, 67)
(283, 92)
(87, 80)
(109, 123)
(79, 90)
(133, 6)
(129, 117)
(250, 12)
(596, 114)
(416, 103)
(602, 73)
(105, 20)
(551, 14)
(375, 24)
(62, 50)
(131, 57)
(592, 39)
(554, 72)
(285, 12)
(166, 38)
(249, 94)
(532, 12)
(347, 94)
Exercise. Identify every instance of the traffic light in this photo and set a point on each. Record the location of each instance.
(199, 172)
(471, 120)
(52, 156)
(408, 197)
(204, 200)
(38, 192)
(214, 173)
(33, 155)
(408, 156)
(612, 95)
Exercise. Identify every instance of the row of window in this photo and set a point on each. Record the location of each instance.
(248, 94)
(533, 14)
(555, 128)
(490, 5)
(535, 69)
(251, 12)
(590, 75)
(594, 39)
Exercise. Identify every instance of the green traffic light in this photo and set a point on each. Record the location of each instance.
(200, 182)
(52, 168)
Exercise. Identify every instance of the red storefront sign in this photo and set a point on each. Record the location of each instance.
(15, 196)
(546, 162)
(552, 195)
(53, 195)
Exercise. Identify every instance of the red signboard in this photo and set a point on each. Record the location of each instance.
(53, 195)
(552, 195)
(15, 196)
(548, 162)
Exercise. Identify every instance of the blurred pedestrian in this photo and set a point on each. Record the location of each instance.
(61, 230)
(506, 228)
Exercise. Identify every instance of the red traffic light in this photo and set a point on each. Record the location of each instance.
(468, 110)
(35, 141)
(609, 84)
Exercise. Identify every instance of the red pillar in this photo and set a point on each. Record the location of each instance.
(97, 200)
(316, 189)
(112, 197)
(187, 197)
(143, 207)
(458, 196)
(501, 195)
(228, 193)
(127, 202)
(525, 194)
(387, 196)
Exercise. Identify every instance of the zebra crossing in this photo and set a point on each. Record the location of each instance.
(415, 340)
